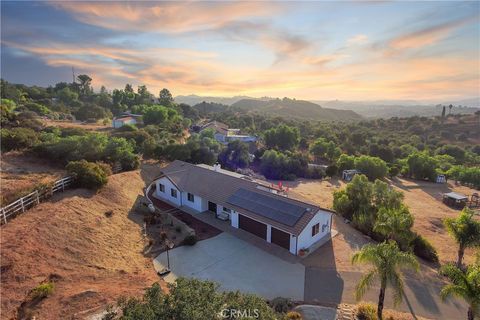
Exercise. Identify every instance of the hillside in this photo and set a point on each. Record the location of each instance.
(193, 99)
(295, 108)
(93, 259)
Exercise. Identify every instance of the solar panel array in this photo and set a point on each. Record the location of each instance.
(273, 208)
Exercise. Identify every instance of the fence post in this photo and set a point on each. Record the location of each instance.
(38, 196)
(63, 184)
(21, 202)
(4, 216)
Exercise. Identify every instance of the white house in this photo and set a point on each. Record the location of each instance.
(244, 203)
(120, 122)
(224, 135)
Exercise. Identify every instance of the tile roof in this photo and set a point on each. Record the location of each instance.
(219, 187)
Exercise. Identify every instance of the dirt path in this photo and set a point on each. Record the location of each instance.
(94, 258)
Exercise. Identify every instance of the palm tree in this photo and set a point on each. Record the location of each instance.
(465, 285)
(395, 224)
(386, 259)
(465, 230)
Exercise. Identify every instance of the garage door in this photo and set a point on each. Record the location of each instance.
(281, 238)
(257, 228)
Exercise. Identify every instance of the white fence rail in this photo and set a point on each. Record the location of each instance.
(32, 199)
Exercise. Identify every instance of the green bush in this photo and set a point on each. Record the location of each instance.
(190, 240)
(366, 311)
(373, 167)
(280, 304)
(331, 170)
(42, 290)
(37, 108)
(424, 249)
(89, 174)
(393, 171)
(18, 138)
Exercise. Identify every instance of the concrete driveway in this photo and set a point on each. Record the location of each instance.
(236, 265)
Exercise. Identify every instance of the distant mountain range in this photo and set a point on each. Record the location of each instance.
(295, 108)
(285, 107)
(328, 109)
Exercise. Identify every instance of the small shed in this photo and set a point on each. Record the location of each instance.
(455, 200)
(441, 179)
(348, 175)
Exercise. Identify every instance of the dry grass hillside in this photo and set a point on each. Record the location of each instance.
(21, 173)
(93, 259)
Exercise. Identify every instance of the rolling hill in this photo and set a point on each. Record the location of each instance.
(294, 108)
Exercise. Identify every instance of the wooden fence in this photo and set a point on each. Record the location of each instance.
(32, 199)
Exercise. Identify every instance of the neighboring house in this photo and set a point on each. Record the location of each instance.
(120, 122)
(244, 203)
(224, 135)
(220, 130)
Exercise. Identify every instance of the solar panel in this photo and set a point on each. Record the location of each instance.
(273, 208)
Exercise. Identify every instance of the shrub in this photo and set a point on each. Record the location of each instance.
(331, 170)
(372, 167)
(294, 315)
(89, 174)
(366, 311)
(424, 249)
(18, 138)
(190, 240)
(393, 171)
(43, 290)
(281, 305)
(37, 108)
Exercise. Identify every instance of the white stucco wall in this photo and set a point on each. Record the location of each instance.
(305, 239)
(199, 204)
(167, 194)
(293, 244)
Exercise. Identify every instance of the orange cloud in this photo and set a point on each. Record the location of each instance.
(428, 36)
(164, 16)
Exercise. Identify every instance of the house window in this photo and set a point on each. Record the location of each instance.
(315, 229)
(162, 187)
(173, 192)
(191, 197)
(228, 210)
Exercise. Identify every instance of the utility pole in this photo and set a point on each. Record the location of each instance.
(73, 75)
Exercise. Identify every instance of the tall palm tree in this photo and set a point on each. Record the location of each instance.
(395, 224)
(465, 285)
(386, 260)
(465, 230)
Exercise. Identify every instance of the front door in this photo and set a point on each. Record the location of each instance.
(212, 207)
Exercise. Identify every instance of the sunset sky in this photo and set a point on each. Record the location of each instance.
(308, 50)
